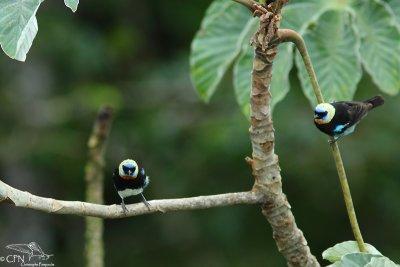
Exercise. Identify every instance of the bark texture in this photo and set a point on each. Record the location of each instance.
(94, 176)
(265, 165)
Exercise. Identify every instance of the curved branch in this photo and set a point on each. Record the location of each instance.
(287, 35)
(248, 3)
(27, 200)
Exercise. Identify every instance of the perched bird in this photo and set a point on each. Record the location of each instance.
(130, 180)
(338, 119)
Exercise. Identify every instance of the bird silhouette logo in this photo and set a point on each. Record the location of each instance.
(32, 250)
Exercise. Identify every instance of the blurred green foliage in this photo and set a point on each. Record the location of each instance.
(134, 55)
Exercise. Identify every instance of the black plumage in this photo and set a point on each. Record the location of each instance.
(346, 116)
(122, 183)
(130, 180)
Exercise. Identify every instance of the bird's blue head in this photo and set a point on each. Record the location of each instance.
(128, 168)
(324, 113)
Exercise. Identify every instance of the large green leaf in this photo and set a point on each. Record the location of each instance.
(355, 260)
(223, 31)
(381, 262)
(280, 76)
(395, 6)
(336, 252)
(242, 79)
(18, 26)
(72, 4)
(300, 14)
(296, 15)
(380, 45)
(333, 49)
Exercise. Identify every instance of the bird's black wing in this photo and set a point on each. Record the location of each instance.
(122, 184)
(357, 111)
(351, 111)
(143, 177)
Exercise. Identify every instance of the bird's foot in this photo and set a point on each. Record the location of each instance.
(332, 141)
(145, 201)
(124, 209)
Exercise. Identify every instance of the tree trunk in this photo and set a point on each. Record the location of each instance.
(266, 171)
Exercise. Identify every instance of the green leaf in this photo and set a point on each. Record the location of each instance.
(242, 79)
(336, 252)
(363, 260)
(280, 76)
(355, 260)
(18, 26)
(380, 44)
(333, 49)
(298, 15)
(395, 6)
(381, 262)
(224, 30)
(72, 4)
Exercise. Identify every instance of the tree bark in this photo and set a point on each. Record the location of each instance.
(265, 165)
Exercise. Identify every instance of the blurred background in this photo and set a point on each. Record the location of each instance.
(133, 55)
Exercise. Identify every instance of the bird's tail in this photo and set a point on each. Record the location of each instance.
(375, 101)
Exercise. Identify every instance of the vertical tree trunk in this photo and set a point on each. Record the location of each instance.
(94, 176)
(266, 171)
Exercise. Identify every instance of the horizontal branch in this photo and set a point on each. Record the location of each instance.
(27, 200)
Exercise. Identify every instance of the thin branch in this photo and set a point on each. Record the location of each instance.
(347, 197)
(94, 177)
(286, 35)
(27, 200)
(247, 3)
